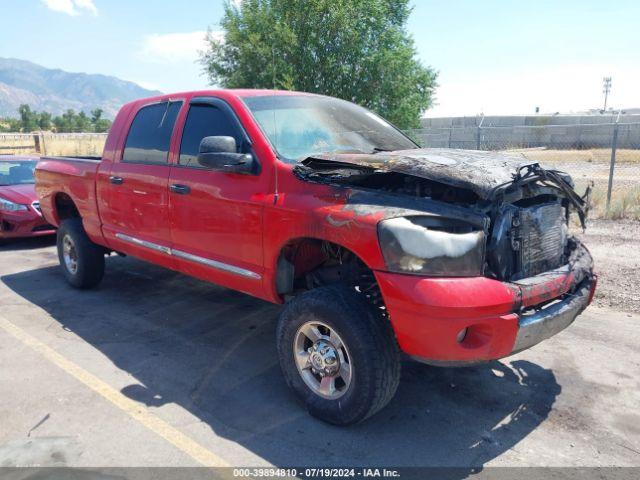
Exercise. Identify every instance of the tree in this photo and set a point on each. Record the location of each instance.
(44, 121)
(28, 118)
(60, 124)
(9, 125)
(358, 50)
(96, 115)
(100, 125)
(82, 123)
(70, 121)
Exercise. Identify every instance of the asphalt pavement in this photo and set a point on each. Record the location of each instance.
(157, 369)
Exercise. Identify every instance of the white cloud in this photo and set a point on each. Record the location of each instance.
(64, 6)
(174, 47)
(87, 5)
(564, 89)
(170, 61)
(72, 7)
(148, 85)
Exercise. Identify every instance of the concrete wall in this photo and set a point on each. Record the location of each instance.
(502, 132)
(525, 120)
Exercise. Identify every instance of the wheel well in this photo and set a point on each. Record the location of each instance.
(65, 208)
(307, 263)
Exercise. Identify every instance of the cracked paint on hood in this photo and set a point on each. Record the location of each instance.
(478, 171)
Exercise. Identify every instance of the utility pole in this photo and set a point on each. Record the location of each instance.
(606, 88)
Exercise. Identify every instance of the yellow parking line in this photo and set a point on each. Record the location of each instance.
(134, 409)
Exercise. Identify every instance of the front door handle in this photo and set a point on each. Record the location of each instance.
(116, 180)
(180, 189)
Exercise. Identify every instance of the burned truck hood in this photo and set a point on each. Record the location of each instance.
(478, 171)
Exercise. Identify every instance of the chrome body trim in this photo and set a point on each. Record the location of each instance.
(144, 243)
(192, 258)
(545, 323)
(217, 265)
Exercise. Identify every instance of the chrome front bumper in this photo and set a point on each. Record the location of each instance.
(545, 323)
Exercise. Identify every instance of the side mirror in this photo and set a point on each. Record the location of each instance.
(219, 153)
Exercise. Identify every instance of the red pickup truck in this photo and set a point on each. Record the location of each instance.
(375, 246)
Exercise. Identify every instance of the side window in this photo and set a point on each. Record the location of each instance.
(204, 121)
(150, 134)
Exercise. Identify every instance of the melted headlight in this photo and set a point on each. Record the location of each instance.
(432, 246)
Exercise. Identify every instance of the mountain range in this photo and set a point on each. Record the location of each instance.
(55, 91)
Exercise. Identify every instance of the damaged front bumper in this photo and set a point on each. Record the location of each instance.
(458, 321)
(537, 326)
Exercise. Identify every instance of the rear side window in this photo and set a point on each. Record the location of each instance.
(150, 134)
(204, 121)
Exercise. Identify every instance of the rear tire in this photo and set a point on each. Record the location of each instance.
(364, 341)
(81, 260)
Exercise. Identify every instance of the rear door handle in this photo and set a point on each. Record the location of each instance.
(116, 180)
(180, 189)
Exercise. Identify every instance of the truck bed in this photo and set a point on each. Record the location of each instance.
(60, 179)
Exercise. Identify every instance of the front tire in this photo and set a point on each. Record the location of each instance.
(81, 260)
(338, 354)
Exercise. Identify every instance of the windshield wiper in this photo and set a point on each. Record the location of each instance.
(378, 150)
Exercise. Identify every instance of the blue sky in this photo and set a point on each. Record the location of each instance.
(494, 56)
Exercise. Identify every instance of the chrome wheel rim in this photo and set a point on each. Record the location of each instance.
(323, 360)
(70, 255)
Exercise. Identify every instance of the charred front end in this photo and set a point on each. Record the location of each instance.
(476, 245)
(475, 213)
(479, 259)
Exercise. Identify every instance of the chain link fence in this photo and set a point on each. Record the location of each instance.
(605, 155)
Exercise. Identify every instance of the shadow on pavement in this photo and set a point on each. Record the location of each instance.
(212, 351)
(32, 243)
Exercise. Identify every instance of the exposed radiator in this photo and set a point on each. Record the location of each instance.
(542, 236)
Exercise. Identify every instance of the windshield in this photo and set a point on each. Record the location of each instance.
(16, 173)
(301, 126)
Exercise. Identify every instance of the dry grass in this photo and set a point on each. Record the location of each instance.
(624, 204)
(16, 144)
(591, 167)
(80, 144)
(596, 155)
(625, 200)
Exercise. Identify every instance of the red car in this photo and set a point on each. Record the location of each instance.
(375, 245)
(20, 214)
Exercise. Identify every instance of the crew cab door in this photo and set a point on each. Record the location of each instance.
(216, 216)
(136, 197)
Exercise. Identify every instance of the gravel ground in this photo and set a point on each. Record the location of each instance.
(615, 246)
